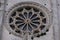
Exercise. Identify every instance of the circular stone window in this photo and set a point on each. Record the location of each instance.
(28, 17)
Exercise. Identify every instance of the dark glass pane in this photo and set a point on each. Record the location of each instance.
(30, 14)
(27, 7)
(18, 31)
(41, 14)
(13, 14)
(25, 14)
(12, 26)
(10, 20)
(35, 9)
(44, 20)
(42, 27)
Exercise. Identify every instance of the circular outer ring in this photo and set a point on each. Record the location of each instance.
(44, 9)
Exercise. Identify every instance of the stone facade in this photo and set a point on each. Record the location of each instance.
(52, 5)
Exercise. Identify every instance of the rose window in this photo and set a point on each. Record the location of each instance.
(28, 18)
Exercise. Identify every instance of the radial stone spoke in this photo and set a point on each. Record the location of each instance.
(33, 25)
(18, 22)
(18, 18)
(20, 25)
(21, 18)
(31, 15)
(25, 27)
(21, 15)
(37, 18)
(36, 23)
(34, 16)
(27, 14)
(29, 27)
